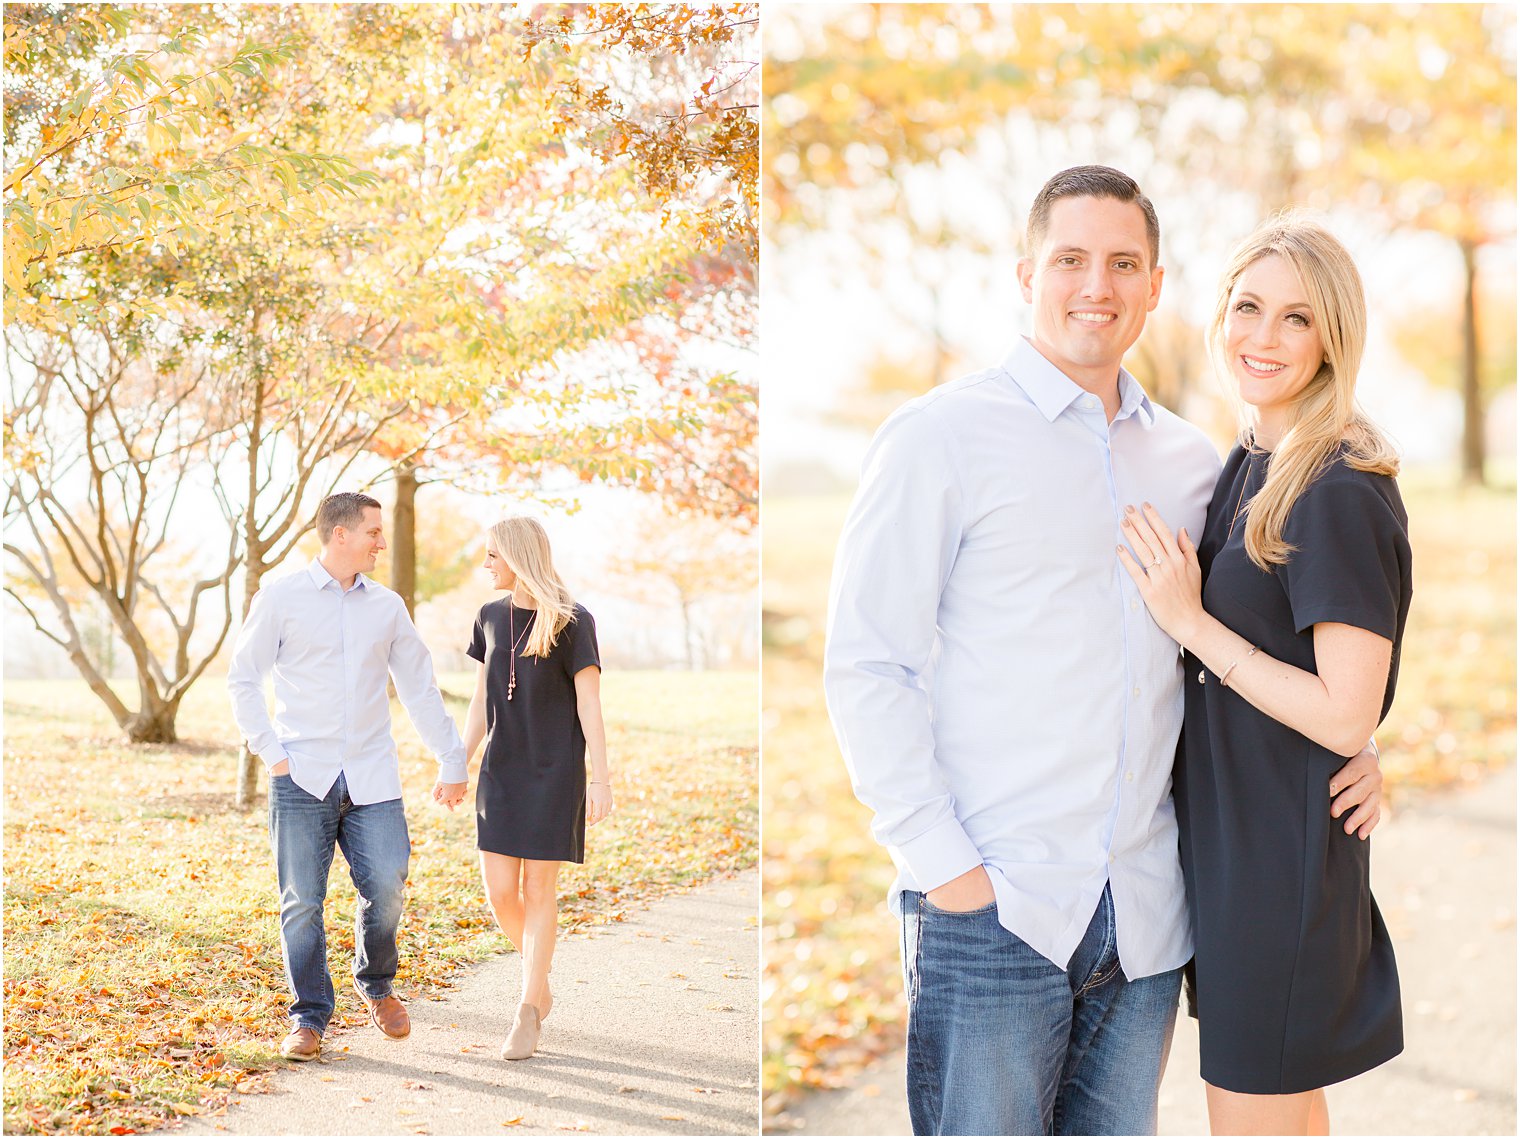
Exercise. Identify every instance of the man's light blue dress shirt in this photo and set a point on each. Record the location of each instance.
(330, 651)
(1000, 692)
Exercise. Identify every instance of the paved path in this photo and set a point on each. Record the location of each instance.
(655, 1030)
(1444, 877)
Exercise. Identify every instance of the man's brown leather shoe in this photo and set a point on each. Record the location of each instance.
(388, 1013)
(302, 1044)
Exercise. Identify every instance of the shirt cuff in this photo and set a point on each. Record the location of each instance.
(940, 855)
(453, 769)
(274, 756)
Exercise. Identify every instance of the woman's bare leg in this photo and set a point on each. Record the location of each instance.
(1235, 1113)
(1319, 1113)
(502, 875)
(540, 882)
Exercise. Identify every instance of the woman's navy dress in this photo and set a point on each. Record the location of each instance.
(530, 801)
(1294, 977)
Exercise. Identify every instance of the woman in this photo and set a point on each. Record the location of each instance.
(537, 704)
(1291, 652)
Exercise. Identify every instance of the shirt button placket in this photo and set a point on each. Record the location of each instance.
(1129, 634)
(348, 681)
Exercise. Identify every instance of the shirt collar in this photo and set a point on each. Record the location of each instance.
(1132, 399)
(1053, 391)
(321, 578)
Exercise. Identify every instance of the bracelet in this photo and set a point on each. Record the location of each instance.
(1224, 677)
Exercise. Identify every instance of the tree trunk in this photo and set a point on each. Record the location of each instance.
(686, 626)
(253, 565)
(1472, 396)
(248, 778)
(154, 723)
(404, 538)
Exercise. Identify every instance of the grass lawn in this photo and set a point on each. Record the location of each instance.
(831, 984)
(142, 964)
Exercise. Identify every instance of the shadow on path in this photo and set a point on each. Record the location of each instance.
(654, 1031)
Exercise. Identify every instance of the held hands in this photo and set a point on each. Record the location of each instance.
(598, 802)
(1170, 581)
(971, 891)
(450, 794)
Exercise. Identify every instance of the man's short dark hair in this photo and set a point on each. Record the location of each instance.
(1090, 182)
(345, 509)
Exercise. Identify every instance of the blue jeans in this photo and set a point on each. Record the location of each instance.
(1001, 1041)
(303, 830)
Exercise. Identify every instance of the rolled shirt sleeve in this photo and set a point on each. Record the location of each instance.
(411, 667)
(895, 555)
(253, 657)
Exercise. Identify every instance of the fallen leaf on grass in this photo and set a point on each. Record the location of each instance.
(196, 967)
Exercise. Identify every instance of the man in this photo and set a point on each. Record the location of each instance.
(1010, 711)
(331, 635)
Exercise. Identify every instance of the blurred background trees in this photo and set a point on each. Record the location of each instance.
(900, 139)
(255, 253)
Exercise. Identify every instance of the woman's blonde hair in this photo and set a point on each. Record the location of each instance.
(521, 542)
(1325, 414)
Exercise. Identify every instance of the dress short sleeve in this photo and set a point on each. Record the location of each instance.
(583, 650)
(477, 649)
(1351, 555)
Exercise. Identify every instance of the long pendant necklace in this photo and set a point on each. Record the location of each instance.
(516, 640)
(1240, 500)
